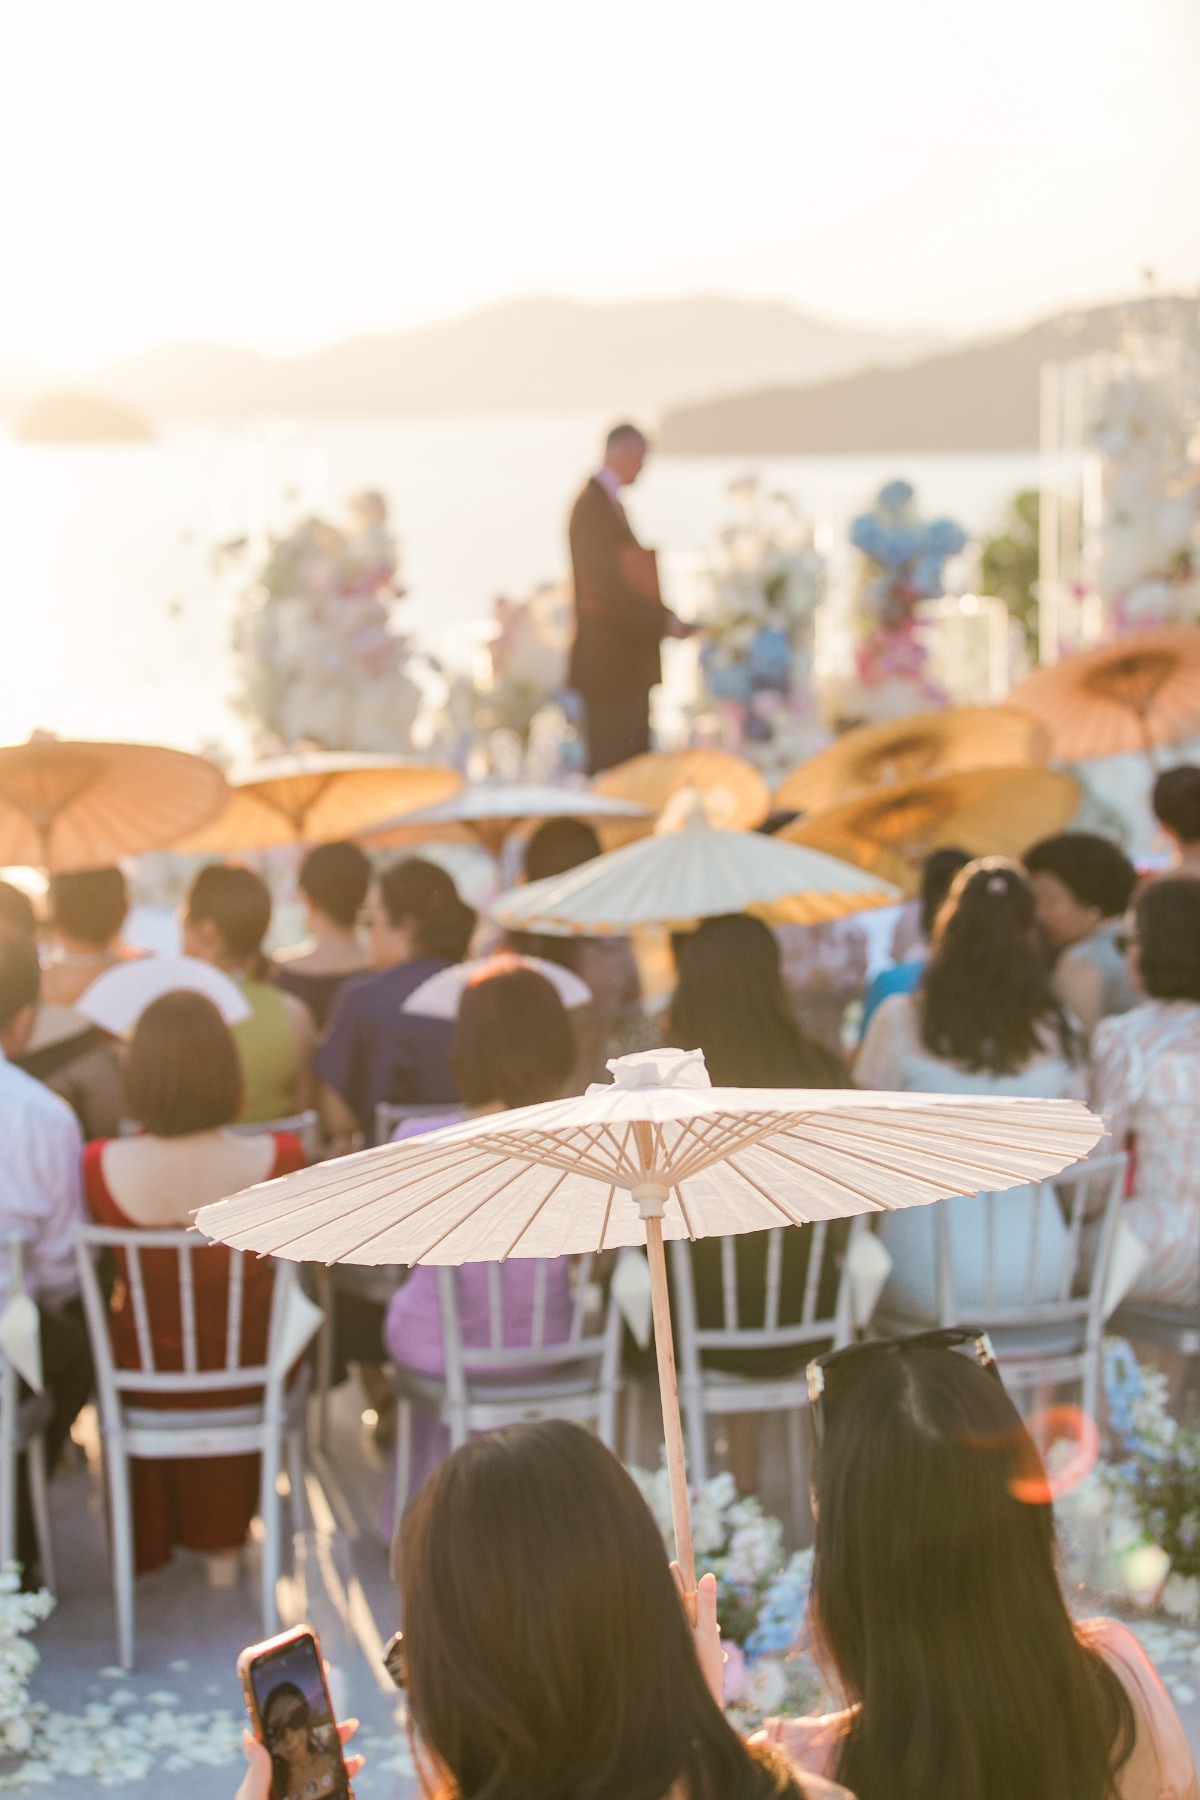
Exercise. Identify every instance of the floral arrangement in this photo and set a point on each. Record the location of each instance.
(319, 660)
(19, 1613)
(527, 658)
(1142, 549)
(762, 1594)
(905, 557)
(766, 581)
(1157, 1476)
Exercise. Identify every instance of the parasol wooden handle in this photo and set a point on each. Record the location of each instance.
(668, 1385)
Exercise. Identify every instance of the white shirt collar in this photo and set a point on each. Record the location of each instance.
(610, 484)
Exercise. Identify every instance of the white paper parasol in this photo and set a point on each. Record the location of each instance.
(116, 1000)
(441, 996)
(658, 1154)
(486, 811)
(674, 878)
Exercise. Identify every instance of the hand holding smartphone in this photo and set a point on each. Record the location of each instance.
(283, 1680)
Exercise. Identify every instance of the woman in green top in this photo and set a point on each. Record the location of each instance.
(228, 912)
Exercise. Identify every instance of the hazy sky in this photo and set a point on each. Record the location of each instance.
(281, 172)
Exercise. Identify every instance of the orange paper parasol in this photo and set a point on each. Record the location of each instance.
(1139, 693)
(734, 794)
(934, 743)
(988, 812)
(67, 806)
(318, 798)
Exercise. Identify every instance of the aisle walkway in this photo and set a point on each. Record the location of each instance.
(180, 1713)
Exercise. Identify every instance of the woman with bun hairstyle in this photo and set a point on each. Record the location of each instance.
(1145, 1080)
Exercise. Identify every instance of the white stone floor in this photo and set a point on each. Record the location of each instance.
(150, 1731)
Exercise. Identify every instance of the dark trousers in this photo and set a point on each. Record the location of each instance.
(616, 729)
(67, 1377)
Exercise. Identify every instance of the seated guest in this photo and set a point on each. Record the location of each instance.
(87, 910)
(937, 1604)
(606, 964)
(41, 1201)
(373, 1052)
(731, 1003)
(1176, 802)
(1082, 885)
(65, 1051)
(184, 1084)
(1146, 1082)
(333, 883)
(513, 1046)
(226, 918)
(940, 868)
(545, 1650)
(983, 1021)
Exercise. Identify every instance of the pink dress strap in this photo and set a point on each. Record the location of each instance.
(1161, 1767)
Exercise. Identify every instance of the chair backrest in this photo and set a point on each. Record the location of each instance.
(388, 1117)
(231, 1373)
(534, 1349)
(1066, 1285)
(12, 1285)
(822, 1315)
(304, 1125)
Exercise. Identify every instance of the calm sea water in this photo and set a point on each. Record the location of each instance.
(116, 622)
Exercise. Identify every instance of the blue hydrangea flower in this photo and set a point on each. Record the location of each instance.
(781, 1614)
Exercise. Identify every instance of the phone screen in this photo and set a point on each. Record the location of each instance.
(297, 1724)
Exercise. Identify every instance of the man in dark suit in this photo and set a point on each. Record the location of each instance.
(619, 619)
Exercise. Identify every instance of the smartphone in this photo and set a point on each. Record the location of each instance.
(283, 1680)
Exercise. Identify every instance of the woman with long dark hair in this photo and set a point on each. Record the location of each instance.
(545, 1651)
(513, 1046)
(731, 1003)
(303, 1758)
(983, 1021)
(936, 1605)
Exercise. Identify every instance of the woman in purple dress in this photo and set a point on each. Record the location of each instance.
(513, 1046)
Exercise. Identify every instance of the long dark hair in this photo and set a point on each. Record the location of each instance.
(986, 994)
(548, 1653)
(731, 1003)
(936, 1599)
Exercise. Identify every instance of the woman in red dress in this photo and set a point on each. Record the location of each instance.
(184, 1087)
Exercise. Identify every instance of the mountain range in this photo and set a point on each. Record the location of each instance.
(522, 355)
(984, 396)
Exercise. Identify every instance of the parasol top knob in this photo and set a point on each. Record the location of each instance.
(650, 1198)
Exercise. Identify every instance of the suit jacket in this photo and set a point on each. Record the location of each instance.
(618, 630)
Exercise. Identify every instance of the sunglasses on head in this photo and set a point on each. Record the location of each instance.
(948, 1338)
(395, 1660)
(293, 1720)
